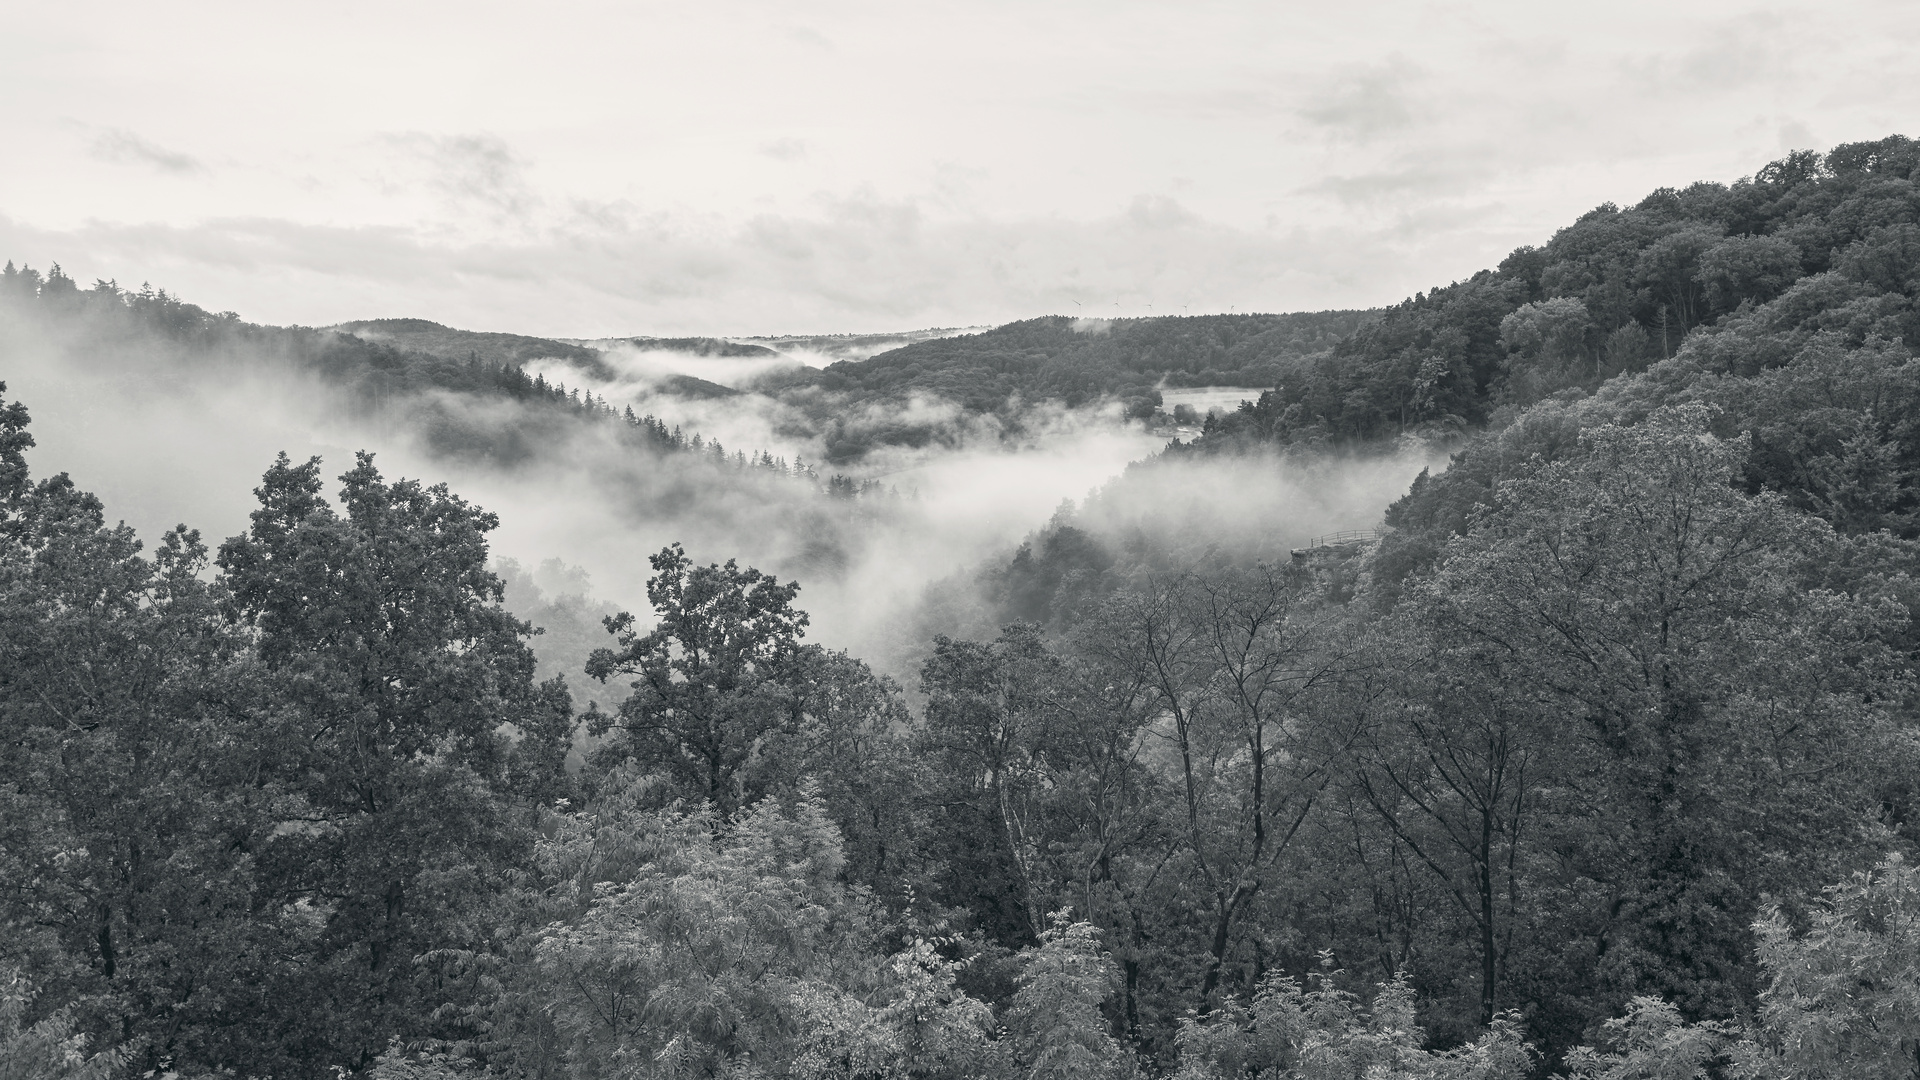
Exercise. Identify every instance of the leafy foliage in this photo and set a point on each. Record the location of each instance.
(1327, 1033)
(49, 1049)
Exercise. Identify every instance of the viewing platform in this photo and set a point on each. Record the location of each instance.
(1345, 538)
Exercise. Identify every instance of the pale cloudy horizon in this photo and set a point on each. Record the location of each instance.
(585, 169)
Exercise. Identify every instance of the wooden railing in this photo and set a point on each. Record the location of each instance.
(1349, 536)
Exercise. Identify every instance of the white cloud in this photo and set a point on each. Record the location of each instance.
(785, 149)
(1367, 102)
(853, 266)
(473, 168)
(124, 147)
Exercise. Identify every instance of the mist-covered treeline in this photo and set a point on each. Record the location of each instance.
(146, 366)
(433, 389)
(1599, 761)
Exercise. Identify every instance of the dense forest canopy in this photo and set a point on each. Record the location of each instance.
(1597, 761)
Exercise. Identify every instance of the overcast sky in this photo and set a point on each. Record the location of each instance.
(578, 168)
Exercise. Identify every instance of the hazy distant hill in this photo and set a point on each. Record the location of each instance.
(692, 346)
(834, 347)
(1078, 361)
(692, 386)
(419, 335)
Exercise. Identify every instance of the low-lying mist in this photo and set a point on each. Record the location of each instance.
(165, 434)
(642, 367)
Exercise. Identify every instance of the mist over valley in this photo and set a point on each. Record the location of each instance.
(867, 479)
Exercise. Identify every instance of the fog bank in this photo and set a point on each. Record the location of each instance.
(166, 436)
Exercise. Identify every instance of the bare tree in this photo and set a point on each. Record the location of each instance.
(1445, 763)
(1231, 657)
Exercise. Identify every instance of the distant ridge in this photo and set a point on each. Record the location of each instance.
(832, 347)
(692, 386)
(433, 339)
(695, 346)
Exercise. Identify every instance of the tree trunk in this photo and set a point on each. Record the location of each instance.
(382, 945)
(1222, 929)
(108, 954)
(1487, 936)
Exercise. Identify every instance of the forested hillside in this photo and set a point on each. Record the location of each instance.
(1599, 761)
(1795, 336)
(1812, 244)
